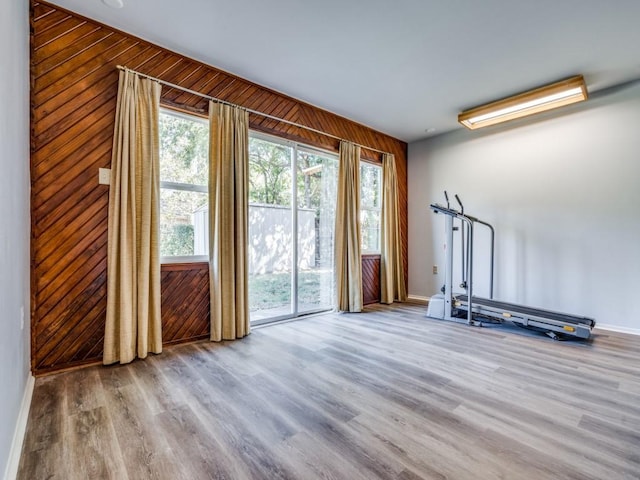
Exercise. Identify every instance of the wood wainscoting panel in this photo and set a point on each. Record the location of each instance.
(185, 302)
(74, 83)
(370, 279)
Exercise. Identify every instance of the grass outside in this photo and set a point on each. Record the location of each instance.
(273, 290)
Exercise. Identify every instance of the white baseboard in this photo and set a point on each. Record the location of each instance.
(417, 299)
(21, 427)
(615, 328)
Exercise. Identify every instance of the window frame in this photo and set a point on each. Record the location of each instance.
(372, 209)
(188, 187)
(296, 147)
(184, 187)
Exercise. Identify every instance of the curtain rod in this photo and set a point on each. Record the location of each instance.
(262, 114)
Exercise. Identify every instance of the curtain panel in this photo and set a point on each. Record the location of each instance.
(392, 284)
(347, 232)
(228, 221)
(133, 324)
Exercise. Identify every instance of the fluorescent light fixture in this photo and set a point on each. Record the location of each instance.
(551, 96)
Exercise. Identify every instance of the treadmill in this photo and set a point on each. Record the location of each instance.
(554, 324)
(478, 310)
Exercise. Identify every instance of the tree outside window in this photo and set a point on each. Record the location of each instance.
(184, 170)
(370, 206)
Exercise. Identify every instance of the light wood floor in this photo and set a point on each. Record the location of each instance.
(386, 394)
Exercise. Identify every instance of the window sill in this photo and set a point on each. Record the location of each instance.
(184, 259)
(183, 267)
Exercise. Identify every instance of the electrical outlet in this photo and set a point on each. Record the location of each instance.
(104, 176)
(435, 269)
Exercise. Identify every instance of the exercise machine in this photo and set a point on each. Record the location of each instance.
(477, 310)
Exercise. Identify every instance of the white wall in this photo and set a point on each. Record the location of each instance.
(562, 191)
(14, 218)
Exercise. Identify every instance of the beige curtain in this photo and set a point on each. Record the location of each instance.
(347, 232)
(133, 325)
(392, 286)
(228, 221)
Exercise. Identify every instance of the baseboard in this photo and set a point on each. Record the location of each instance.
(417, 299)
(615, 328)
(21, 427)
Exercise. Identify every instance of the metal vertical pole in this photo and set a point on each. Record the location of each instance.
(294, 229)
(493, 249)
(470, 272)
(448, 265)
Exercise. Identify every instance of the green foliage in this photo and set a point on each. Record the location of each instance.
(370, 183)
(176, 240)
(269, 172)
(184, 150)
(273, 290)
(270, 175)
(311, 171)
(370, 202)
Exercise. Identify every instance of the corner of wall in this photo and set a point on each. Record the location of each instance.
(11, 471)
(17, 382)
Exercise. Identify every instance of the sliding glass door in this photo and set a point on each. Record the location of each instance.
(292, 191)
(270, 229)
(316, 202)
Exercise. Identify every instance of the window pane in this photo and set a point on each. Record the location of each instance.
(270, 229)
(370, 201)
(184, 149)
(370, 230)
(269, 172)
(370, 181)
(317, 187)
(184, 223)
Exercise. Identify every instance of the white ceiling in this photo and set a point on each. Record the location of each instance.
(400, 66)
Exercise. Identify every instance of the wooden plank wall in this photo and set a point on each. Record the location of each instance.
(370, 279)
(73, 93)
(184, 302)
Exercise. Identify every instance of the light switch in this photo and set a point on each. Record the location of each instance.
(104, 176)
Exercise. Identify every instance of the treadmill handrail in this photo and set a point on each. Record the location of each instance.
(493, 248)
(470, 220)
(446, 210)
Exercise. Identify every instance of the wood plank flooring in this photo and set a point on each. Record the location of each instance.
(385, 394)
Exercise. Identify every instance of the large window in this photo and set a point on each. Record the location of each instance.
(184, 169)
(292, 196)
(284, 178)
(292, 191)
(370, 203)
